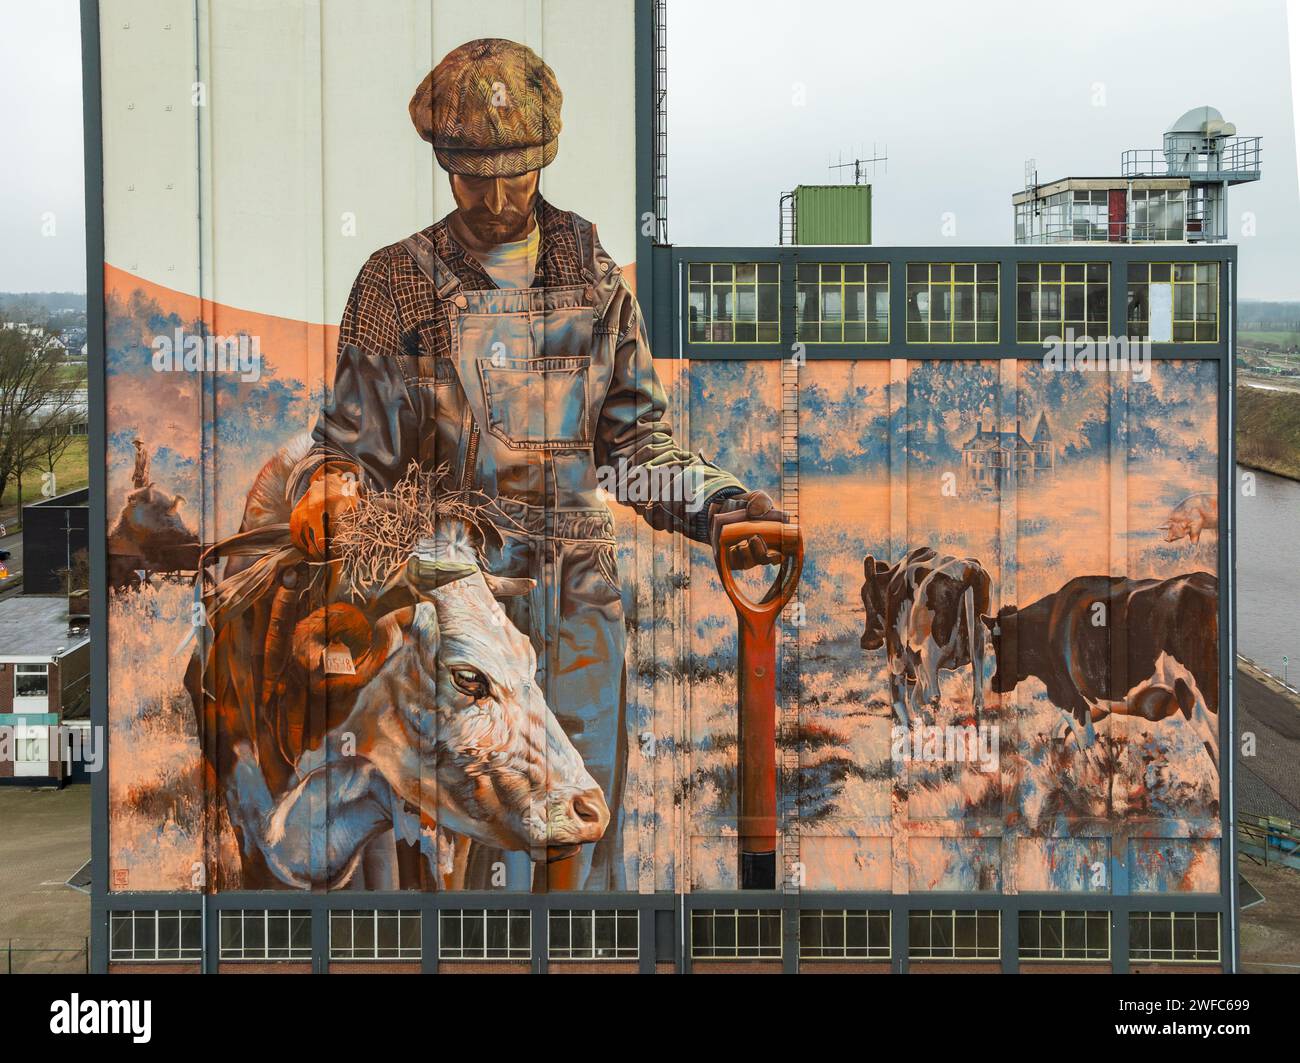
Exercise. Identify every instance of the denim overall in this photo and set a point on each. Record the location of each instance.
(534, 365)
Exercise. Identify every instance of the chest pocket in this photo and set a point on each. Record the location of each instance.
(538, 403)
(535, 372)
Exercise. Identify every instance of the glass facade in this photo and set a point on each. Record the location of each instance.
(1052, 297)
(842, 302)
(1174, 302)
(734, 302)
(952, 302)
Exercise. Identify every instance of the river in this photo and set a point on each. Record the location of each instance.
(1268, 572)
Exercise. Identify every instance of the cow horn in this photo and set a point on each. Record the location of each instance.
(177, 502)
(427, 574)
(508, 586)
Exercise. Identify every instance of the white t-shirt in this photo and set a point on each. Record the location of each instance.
(512, 265)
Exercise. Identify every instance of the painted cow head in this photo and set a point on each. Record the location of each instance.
(876, 577)
(448, 710)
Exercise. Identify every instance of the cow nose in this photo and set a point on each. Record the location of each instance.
(589, 810)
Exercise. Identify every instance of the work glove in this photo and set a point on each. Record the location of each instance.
(334, 489)
(752, 505)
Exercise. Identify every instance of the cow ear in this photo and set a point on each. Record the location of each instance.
(508, 586)
(868, 566)
(424, 573)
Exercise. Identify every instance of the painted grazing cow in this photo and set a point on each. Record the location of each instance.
(150, 533)
(925, 611)
(448, 731)
(1171, 651)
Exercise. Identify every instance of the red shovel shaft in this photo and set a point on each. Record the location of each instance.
(756, 677)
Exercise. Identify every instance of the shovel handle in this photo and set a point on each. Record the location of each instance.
(777, 535)
(756, 674)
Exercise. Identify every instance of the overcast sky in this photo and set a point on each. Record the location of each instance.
(763, 94)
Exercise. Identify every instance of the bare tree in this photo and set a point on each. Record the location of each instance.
(39, 402)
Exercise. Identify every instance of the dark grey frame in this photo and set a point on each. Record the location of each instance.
(661, 291)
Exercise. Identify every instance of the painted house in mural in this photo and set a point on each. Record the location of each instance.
(990, 456)
(918, 795)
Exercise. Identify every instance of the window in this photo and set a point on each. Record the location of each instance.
(842, 302)
(735, 934)
(374, 934)
(952, 302)
(844, 934)
(485, 934)
(734, 302)
(1174, 937)
(586, 934)
(949, 934)
(1157, 214)
(32, 681)
(266, 935)
(1054, 296)
(1174, 302)
(1059, 935)
(1090, 218)
(155, 935)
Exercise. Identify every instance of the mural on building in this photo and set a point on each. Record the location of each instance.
(428, 600)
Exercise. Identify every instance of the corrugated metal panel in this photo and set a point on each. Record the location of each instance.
(833, 214)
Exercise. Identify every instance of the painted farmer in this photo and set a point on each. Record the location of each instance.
(501, 349)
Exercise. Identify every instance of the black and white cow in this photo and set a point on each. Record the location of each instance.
(925, 611)
(1169, 655)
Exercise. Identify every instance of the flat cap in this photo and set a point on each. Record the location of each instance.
(491, 108)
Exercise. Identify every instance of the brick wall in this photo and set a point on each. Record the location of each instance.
(1175, 968)
(594, 967)
(735, 967)
(6, 688)
(154, 968)
(263, 967)
(482, 967)
(1065, 968)
(941, 967)
(374, 967)
(842, 967)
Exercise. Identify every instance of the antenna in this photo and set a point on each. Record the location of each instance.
(860, 165)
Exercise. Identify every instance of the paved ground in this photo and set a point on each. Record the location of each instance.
(44, 840)
(1268, 783)
(1270, 932)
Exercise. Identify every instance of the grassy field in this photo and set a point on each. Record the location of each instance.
(1268, 430)
(1279, 340)
(70, 472)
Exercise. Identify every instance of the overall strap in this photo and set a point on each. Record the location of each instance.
(421, 249)
(598, 269)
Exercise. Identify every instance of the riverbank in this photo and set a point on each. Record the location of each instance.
(1268, 430)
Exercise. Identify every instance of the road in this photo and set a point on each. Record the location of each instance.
(1267, 783)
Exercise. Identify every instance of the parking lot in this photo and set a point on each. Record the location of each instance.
(44, 840)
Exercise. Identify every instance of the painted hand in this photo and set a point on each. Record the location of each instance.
(334, 489)
(752, 505)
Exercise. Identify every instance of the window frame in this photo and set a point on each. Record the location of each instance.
(294, 918)
(1040, 284)
(824, 953)
(948, 278)
(756, 953)
(1090, 917)
(379, 954)
(817, 289)
(32, 668)
(1196, 284)
(569, 953)
(187, 920)
(1135, 952)
(459, 953)
(765, 282)
(953, 914)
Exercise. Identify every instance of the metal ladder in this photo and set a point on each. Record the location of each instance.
(788, 691)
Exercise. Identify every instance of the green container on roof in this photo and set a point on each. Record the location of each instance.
(833, 214)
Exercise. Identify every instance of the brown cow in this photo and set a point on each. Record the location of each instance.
(1171, 650)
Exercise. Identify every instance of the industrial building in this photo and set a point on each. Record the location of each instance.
(960, 419)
